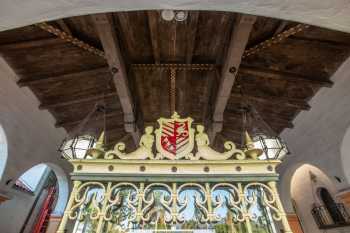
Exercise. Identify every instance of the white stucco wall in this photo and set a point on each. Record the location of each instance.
(31, 139)
(318, 134)
(332, 13)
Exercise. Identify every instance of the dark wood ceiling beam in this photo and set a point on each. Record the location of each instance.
(153, 18)
(256, 72)
(238, 42)
(278, 101)
(75, 122)
(77, 101)
(107, 33)
(80, 74)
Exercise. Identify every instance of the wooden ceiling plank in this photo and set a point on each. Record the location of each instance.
(77, 101)
(109, 40)
(184, 88)
(257, 72)
(192, 26)
(277, 121)
(238, 42)
(152, 17)
(73, 122)
(206, 95)
(84, 73)
(292, 102)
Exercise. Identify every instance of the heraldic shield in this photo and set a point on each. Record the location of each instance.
(175, 137)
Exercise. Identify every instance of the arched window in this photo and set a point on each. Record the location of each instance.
(331, 206)
(3, 151)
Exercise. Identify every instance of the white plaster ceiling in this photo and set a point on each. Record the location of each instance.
(333, 14)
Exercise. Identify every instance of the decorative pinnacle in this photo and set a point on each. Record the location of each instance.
(100, 141)
(250, 150)
(248, 141)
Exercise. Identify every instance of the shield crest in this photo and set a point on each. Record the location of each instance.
(175, 137)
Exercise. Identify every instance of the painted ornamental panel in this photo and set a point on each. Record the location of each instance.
(173, 175)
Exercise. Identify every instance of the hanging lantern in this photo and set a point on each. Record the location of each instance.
(76, 147)
(272, 146)
(263, 136)
(82, 141)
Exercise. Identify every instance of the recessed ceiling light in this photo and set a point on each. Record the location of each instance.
(181, 16)
(168, 15)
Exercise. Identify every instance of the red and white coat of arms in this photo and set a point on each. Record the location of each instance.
(175, 137)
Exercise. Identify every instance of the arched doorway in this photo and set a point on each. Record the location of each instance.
(37, 194)
(308, 185)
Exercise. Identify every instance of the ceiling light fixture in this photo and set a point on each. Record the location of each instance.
(170, 15)
(181, 16)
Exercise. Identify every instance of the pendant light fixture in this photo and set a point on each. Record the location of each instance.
(259, 133)
(82, 142)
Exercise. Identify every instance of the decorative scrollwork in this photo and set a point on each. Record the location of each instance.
(255, 191)
(122, 203)
(157, 200)
(232, 202)
(200, 201)
(88, 197)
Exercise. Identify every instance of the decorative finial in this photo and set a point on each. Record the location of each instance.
(100, 141)
(98, 150)
(250, 150)
(248, 140)
(175, 116)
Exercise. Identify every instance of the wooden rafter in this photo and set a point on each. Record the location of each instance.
(238, 42)
(277, 121)
(267, 99)
(74, 122)
(77, 101)
(256, 72)
(84, 73)
(109, 40)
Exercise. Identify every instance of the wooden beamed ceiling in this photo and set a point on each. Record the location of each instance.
(278, 79)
